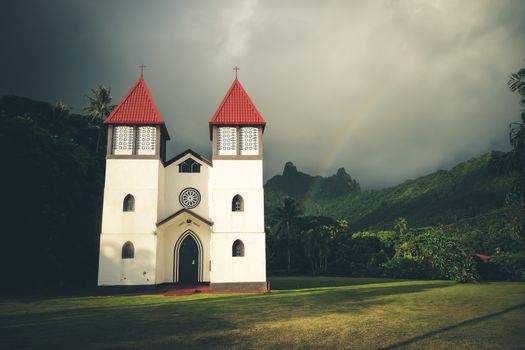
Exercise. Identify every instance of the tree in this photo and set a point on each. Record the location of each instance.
(432, 254)
(516, 199)
(401, 226)
(99, 107)
(286, 218)
(516, 84)
(60, 113)
(318, 234)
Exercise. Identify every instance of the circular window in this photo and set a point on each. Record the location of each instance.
(189, 198)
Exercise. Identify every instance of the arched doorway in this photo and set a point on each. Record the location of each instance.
(188, 261)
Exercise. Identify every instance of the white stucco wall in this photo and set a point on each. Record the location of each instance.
(138, 177)
(174, 182)
(249, 268)
(229, 178)
(113, 270)
(232, 177)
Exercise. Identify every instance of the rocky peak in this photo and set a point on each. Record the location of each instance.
(289, 169)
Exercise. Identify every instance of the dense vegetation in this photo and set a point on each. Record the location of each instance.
(424, 228)
(52, 186)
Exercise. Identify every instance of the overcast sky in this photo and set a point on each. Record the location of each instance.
(390, 89)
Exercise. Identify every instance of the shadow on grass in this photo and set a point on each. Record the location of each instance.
(188, 322)
(454, 326)
(302, 282)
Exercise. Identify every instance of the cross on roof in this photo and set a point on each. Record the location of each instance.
(236, 69)
(141, 67)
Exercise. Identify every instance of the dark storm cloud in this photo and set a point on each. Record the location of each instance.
(388, 89)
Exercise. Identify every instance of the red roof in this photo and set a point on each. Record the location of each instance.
(237, 109)
(137, 107)
(482, 257)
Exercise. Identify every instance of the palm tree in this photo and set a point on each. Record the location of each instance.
(516, 199)
(286, 225)
(61, 111)
(318, 233)
(99, 106)
(516, 83)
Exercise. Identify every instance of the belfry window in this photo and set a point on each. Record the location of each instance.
(146, 140)
(237, 203)
(238, 248)
(227, 140)
(249, 139)
(122, 140)
(189, 166)
(128, 250)
(129, 203)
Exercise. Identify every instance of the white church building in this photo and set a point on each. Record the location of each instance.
(184, 220)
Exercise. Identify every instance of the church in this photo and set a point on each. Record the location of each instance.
(185, 220)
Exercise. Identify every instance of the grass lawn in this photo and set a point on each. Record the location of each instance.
(301, 312)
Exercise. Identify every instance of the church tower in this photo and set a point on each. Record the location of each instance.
(237, 196)
(135, 154)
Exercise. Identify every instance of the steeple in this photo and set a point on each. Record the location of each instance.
(237, 108)
(136, 128)
(137, 107)
(236, 127)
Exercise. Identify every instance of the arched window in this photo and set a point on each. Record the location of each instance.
(128, 250)
(237, 203)
(238, 248)
(129, 203)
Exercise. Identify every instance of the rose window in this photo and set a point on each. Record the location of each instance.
(189, 198)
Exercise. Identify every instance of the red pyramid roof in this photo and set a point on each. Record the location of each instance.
(137, 107)
(237, 109)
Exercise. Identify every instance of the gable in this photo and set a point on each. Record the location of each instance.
(187, 154)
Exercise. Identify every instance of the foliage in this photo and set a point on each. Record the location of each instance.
(432, 254)
(370, 250)
(54, 185)
(286, 225)
(318, 238)
(516, 198)
(99, 107)
(505, 266)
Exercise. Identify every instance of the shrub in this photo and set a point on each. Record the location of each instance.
(431, 254)
(505, 266)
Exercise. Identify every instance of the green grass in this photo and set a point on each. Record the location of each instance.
(301, 312)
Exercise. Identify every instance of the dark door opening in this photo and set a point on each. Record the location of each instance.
(188, 261)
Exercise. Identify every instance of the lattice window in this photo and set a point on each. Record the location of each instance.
(146, 139)
(227, 139)
(249, 139)
(122, 138)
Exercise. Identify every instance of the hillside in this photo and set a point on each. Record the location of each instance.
(469, 189)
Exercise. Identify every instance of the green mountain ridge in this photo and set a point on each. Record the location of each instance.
(470, 189)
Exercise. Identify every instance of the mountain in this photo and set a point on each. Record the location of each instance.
(470, 189)
(305, 187)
